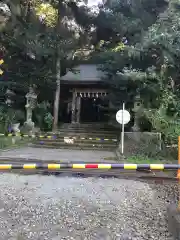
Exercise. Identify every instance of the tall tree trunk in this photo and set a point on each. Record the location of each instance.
(58, 77)
(57, 93)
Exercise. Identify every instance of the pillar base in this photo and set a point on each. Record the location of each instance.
(135, 128)
(75, 123)
(28, 126)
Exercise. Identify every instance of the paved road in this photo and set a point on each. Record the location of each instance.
(57, 154)
(68, 208)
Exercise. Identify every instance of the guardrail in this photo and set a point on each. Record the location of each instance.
(54, 166)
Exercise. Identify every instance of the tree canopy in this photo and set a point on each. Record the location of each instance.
(135, 42)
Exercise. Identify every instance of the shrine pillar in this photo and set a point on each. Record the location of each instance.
(78, 109)
(73, 116)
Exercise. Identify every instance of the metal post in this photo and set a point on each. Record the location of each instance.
(122, 132)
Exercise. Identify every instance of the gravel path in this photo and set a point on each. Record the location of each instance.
(48, 207)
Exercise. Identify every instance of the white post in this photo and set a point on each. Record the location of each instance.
(122, 132)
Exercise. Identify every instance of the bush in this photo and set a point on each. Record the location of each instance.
(171, 134)
(43, 116)
(9, 116)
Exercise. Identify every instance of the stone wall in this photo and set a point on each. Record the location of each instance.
(141, 143)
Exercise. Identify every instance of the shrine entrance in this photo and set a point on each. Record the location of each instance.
(87, 106)
(91, 110)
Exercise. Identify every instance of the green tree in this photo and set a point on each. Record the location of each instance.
(151, 66)
(41, 37)
(118, 50)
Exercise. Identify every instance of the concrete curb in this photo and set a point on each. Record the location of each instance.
(34, 160)
(13, 148)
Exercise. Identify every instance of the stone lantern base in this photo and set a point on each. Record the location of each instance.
(136, 127)
(28, 127)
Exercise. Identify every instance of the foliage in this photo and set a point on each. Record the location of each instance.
(9, 116)
(140, 159)
(141, 57)
(171, 133)
(48, 119)
(35, 30)
(140, 53)
(12, 142)
(47, 13)
(43, 116)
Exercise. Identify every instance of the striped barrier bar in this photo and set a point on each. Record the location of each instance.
(55, 137)
(16, 135)
(52, 166)
(82, 138)
(100, 139)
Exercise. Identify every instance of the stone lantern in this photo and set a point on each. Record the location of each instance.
(9, 97)
(137, 106)
(31, 101)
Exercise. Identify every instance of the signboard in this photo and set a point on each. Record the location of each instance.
(68, 140)
(123, 116)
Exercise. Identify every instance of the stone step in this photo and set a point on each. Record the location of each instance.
(84, 135)
(87, 125)
(89, 128)
(72, 146)
(90, 143)
(87, 136)
(93, 130)
(78, 139)
(75, 141)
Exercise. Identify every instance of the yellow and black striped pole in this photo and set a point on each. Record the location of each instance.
(1, 62)
(55, 137)
(80, 166)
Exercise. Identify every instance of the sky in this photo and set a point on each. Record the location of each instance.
(94, 2)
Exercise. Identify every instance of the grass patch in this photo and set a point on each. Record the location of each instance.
(110, 158)
(11, 142)
(142, 160)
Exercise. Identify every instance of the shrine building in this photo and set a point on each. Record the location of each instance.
(82, 92)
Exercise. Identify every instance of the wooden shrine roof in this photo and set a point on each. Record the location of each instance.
(85, 73)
